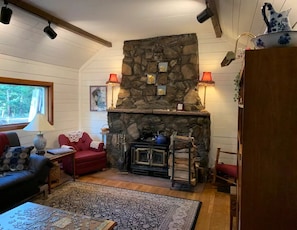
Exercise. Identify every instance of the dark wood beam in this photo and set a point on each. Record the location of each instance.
(59, 22)
(215, 18)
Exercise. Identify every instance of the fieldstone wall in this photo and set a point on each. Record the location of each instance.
(133, 123)
(141, 61)
(149, 94)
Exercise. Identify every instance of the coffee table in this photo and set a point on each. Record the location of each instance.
(35, 216)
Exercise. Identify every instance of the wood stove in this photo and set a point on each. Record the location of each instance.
(149, 158)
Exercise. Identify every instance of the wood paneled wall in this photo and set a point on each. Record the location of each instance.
(66, 94)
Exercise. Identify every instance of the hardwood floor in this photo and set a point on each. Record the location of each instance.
(215, 210)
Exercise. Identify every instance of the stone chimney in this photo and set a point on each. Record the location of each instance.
(158, 74)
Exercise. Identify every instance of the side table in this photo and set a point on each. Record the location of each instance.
(58, 157)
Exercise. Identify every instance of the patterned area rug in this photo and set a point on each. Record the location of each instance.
(130, 209)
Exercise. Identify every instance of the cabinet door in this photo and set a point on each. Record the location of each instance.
(268, 180)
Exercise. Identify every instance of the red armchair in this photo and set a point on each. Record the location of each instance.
(89, 156)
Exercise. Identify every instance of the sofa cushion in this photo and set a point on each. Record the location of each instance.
(15, 158)
(88, 155)
(10, 179)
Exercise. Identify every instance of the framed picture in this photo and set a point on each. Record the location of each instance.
(161, 90)
(151, 78)
(180, 107)
(163, 66)
(98, 96)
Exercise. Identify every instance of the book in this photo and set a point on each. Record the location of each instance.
(58, 151)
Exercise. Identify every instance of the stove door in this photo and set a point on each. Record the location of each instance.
(159, 157)
(142, 156)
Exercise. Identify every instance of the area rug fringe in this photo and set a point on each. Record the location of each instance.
(130, 209)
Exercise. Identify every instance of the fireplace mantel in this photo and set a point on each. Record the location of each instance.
(161, 112)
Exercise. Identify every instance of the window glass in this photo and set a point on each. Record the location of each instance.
(20, 102)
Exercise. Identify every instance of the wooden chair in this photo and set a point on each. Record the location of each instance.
(226, 172)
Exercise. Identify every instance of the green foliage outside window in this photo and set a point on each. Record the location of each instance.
(18, 102)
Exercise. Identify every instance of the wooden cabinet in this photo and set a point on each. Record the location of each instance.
(267, 186)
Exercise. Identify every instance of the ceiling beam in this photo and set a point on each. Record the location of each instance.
(215, 18)
(59, 22)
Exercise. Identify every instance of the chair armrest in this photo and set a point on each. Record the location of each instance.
(97, 146)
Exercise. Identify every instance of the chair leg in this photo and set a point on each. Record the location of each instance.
(214, 175)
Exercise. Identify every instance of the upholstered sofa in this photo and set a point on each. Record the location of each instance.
(90, 155)
(22, 174)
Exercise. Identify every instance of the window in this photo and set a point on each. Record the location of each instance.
(21, 99)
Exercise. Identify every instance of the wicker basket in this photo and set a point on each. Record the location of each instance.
(55, 173)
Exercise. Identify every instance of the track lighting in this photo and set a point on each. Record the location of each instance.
(204, 15)
(231, 56)
(49, 31)
(5, 14)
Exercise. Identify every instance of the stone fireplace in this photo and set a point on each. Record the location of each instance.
(148, 97)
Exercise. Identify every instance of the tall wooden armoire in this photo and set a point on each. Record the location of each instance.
(267, 185)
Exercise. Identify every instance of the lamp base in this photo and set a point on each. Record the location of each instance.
(39, 143)
(41, 152)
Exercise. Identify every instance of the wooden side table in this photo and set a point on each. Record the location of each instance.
(59, 157)
(233, 204)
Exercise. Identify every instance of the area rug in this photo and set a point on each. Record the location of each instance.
(130, 209)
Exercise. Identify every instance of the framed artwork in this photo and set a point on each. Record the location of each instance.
(180, 107)
(161, 90)
(151, 78)
(98, 96)
(163, 66)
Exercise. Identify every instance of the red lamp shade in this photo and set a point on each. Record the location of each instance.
(206, 79)
(113, 78)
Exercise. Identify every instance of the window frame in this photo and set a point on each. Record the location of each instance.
(49, 99)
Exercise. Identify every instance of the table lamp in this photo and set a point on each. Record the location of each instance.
(39, 123)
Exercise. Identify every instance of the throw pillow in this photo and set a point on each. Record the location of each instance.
(15, 158)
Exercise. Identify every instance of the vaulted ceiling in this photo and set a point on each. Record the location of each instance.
(120, 20)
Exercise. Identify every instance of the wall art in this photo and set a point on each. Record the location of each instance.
(161, 90)
(163, 66)
(151, 78)
(98, 96)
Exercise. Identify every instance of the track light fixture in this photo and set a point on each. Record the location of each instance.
(5, 13)
(205, 14)
(231, 56)
(49, 31)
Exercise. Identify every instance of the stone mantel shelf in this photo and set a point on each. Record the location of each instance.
(160, 111)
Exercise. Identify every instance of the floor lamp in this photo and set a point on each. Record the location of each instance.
(113, 80)
(205, 81)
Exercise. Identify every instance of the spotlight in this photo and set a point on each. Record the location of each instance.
(5, 14)
(204, 15)
(49, 31)
(231, 56)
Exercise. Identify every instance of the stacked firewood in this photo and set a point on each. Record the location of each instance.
(183, 151)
